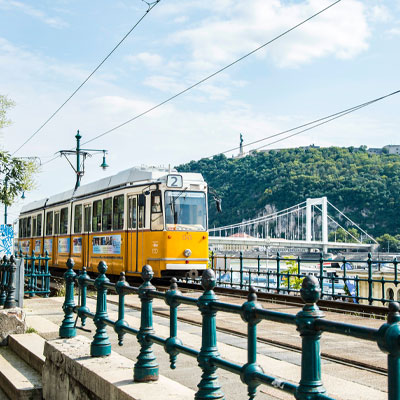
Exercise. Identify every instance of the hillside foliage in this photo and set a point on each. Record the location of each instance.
(366, 187)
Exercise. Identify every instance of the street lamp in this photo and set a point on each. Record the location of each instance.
(78, 152)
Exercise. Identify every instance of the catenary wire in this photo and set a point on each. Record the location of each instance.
(332, 116)
(211, 76)
(151, 6)
(317, 122)
(329, 120)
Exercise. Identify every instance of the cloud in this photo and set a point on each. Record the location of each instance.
(394, 32)
(54, 22)
(341, 32)
(150, 60)
(164, 83)
(379, 13)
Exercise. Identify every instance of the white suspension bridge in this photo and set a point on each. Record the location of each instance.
(314, 224)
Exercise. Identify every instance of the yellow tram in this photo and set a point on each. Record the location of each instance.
(138, 216)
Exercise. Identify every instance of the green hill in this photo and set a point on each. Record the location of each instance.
(365, 186)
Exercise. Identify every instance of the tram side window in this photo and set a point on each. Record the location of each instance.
(96, 219)
(78, 219)
(57, 223)
(28, 227)
(49, 223)
(141, 211)
(107, 214)
(156, 211)
(87, 218)
(132, 217)
(39, 225)
(33, 226)
(118, 212)
(64, 221)
(20, 228)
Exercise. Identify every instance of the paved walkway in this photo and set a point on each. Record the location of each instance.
(341, 381)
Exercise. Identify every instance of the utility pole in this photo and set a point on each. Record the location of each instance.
(80, 165)
(5, 204)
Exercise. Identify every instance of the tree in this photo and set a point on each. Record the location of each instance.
(16, 174)
(295, 281)
(388, 242)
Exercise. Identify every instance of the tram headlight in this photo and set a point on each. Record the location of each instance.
(187, 253)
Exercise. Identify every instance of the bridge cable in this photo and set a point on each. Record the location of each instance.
(150, 7)
(210, 76)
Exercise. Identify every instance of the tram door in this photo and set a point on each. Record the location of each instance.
(86, 242)
(55, 236)
(132, 234)
(136, 225)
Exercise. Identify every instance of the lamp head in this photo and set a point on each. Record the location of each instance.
(104, 165)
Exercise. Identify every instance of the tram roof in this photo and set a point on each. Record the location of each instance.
(132, 175)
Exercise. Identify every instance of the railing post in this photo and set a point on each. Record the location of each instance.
(241, 269)
(101, 345)
(321, 273)
(225, 264)
(370, 287)
(83, 284)
(388, 342)
(3, 287)
(10, 300)
(146, 367)
(310, 384)
(173, 340)
(120, 288)
(32, 281)
(250, 369)
(47, 274)
(67, 328)
(209, 387)
(278, 272)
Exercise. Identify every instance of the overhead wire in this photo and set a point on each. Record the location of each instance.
(150, 7)
(356, 108)
(211, 75)
(315, 123)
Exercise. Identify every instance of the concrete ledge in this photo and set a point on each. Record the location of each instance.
(70, 372)
(29, 347)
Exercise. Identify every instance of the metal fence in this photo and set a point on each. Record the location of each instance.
(309, 322)
(37, 274)
(369, 281)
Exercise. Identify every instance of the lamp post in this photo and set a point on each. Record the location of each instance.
(80, 165)
(5, 204)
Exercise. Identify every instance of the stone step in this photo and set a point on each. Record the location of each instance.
(29, 347)
(45, 328)
(18, 380)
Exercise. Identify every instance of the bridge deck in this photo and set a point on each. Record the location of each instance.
(341, 381)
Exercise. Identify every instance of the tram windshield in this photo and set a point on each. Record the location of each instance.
(185, 211)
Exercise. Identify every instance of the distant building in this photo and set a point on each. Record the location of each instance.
(392, 149)
(374, 150)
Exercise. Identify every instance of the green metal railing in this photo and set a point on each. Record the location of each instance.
(37, 274)
(309, 322)
(7, 282)
(342, 283)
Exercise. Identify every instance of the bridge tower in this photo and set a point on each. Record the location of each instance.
(323, 202)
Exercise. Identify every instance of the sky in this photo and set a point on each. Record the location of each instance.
(347, 55)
